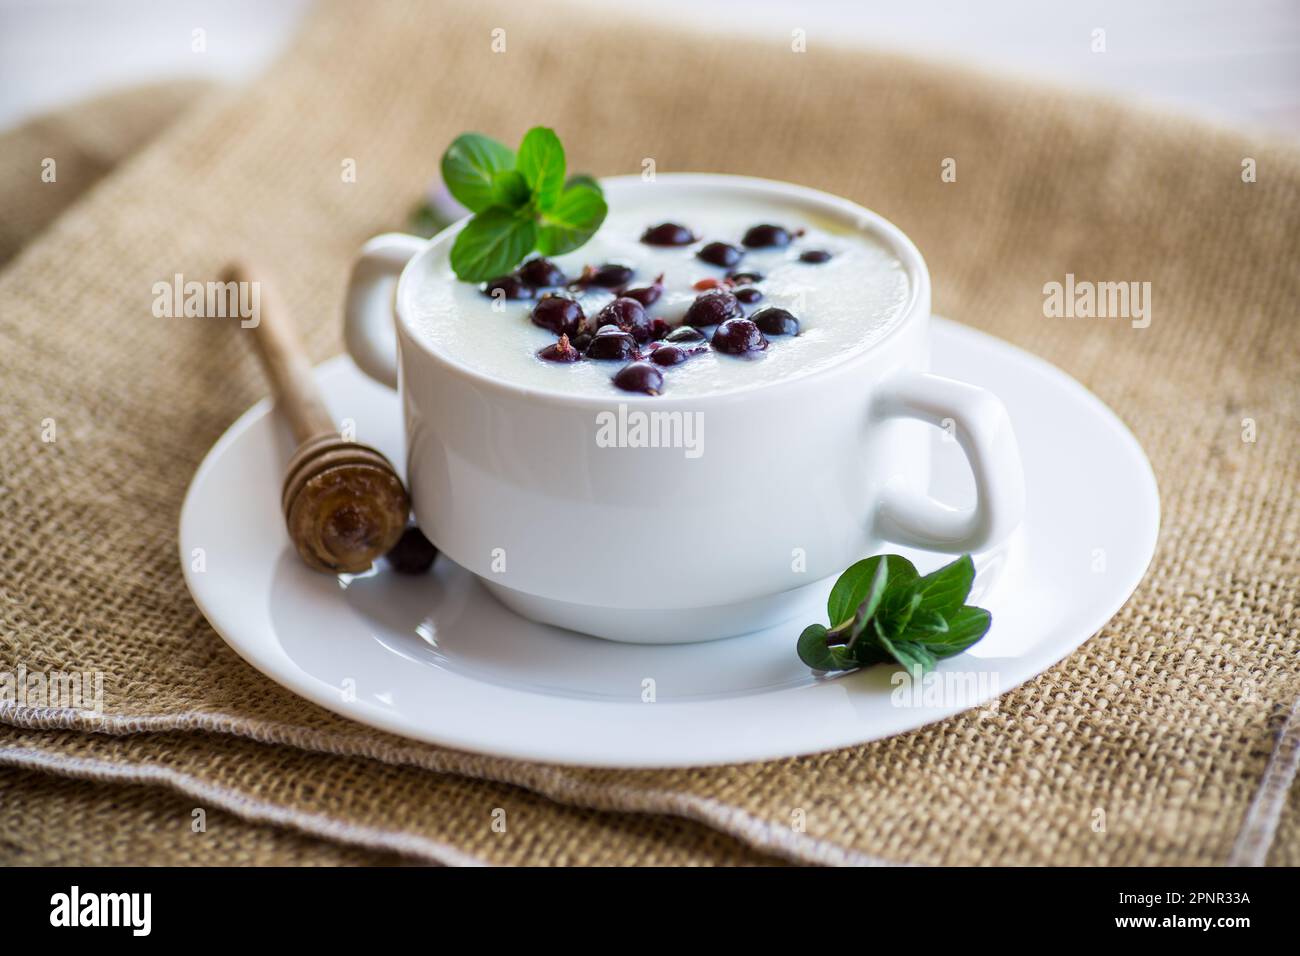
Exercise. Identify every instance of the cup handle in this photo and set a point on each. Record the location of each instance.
(368, 329)
(982, 427)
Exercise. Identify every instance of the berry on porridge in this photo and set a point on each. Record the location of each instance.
(720, 254)
(720, 295)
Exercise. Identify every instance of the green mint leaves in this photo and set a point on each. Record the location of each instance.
(470, 167)
(520, 200)
(882, 610)
(541, 161)
(571, 221)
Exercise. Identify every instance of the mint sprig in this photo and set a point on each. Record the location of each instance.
(882, 610)
(520, 200)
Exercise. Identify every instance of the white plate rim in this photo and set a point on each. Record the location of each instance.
(815, 738)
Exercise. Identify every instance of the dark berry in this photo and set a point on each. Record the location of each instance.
(561, 351)
(640, 377)
(541, 272)
(612, 345)
(559, 314)
(745, 278)
(648, 295)
(738, 337)
(510, 287)
(748, 294)
(720, 254)
(581, 341)
(713, 308)
(628, 315)
(612, 275)
(685, 335)
(764, 235)
(668, 234)
(659, 329)
(413, 553)
(669, 355)
(815, 256)
(775, 322)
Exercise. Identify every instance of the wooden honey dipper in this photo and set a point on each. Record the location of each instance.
(343, 503)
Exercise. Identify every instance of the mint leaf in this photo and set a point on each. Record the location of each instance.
(854, 584)
(966, 626)
(911, 655)
(813, 649)
(867, 609)
(573, 220)
(581, 179)
(521, 202)
(925, 623)
(945, 590)
(898, 599)
(469, 168)
(509, 189)
(817, 654)
(868, 650)
(893, 620)
(541, 161)
(491, 244)
(889, 613)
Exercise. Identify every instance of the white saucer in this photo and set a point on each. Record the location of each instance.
(437, 659)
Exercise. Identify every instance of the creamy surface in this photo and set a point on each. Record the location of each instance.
(843, 305)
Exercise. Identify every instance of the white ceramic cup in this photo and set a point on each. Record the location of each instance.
(794, 481)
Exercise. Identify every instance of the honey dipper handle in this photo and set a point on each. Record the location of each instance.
(276, 339)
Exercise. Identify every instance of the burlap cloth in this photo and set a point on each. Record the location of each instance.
(1169, 738)
(85, 141)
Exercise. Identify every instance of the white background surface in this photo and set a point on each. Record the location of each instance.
(1231, 60)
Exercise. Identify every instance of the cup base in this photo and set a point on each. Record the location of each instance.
(667, 625)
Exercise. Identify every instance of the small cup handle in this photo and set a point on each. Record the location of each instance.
(368, 321)
(983, 429)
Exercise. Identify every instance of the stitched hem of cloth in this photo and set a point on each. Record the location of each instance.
(549, 781)
(1259, 828)
(239, 804)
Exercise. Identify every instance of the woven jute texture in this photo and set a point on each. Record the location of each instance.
(63, 821)
(74, 148)
(1168, 738)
